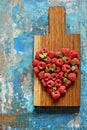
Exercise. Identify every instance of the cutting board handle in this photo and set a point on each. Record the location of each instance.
(57, 20)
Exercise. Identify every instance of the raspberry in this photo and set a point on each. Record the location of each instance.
(54, 60)
(53, 76)
(56, 54)
(57, 69)
(44, 83)
(76, 69)
(37, 55)
(66, 68)
(49, 90)
(41, 65)
(35, 62)
(62, 89)
(47, 60)
(51, 54)
(47, 76)
(41, 76)
(72, 76)
(73, 54)
(67, 83)
(50, 83)
(76, 61)
(44, 50)
(58, 82)
(61, 75)
(59, 62)
(65, 51)
(68, 60)
(48, 66)
(36, 70)
(55, 94)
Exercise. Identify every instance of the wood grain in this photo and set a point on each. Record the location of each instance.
(55, 40)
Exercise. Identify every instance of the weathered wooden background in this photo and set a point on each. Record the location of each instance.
(20, 20)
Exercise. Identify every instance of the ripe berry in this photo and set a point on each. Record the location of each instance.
(72, 76)
(58, 82)
(44, 50)
(68, 60)
(57, 69)
(55, 95)
(66, 68)
(54, 76)
(73, 54)
(76, 69)
(67, 83)
(48, 66)
(61, 75)
(50, 83)
(40, 76)
(59, 62)
(47, 76)
(62, 89)
(44, 83)
(36, 70)
(53, 60)
(35, 62)
(51, 54)
(76, 61)
(37, 55)
(47, 60)
(41, 65)
(49, 90)
(65, 51)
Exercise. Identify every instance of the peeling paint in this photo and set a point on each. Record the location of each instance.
(20, 20)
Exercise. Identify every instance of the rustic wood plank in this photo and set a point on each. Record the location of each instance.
(55, 40)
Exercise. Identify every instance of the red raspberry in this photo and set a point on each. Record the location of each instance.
(76, 69)
(56, 54)
(68, 60)
(48, 66)
(51, 54)
(47, 76)
(50, 83)
(44, 50)
(55, 95)
(72, 76)
(59, 62)
(61, 75)
(37, 55)
(67, 83)
(57, 69)
(35, 62)
(66, 68)
(65, 51)
(76, 61)
(73, 54)
(54, 76)
(54, 60)
(48, 60)
(36, 70)
(58, 82)
(62, 89)
(41, 76)
(44, 83)
(41, 65)
(49, 90)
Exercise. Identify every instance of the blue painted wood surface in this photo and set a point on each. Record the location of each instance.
(20, 20)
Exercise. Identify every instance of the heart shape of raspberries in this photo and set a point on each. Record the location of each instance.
(56, 70)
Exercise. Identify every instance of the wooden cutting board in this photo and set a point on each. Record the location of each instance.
(55, 40)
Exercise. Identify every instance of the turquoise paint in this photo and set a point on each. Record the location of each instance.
(23, 42)
(14, 14)
(30, 17)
